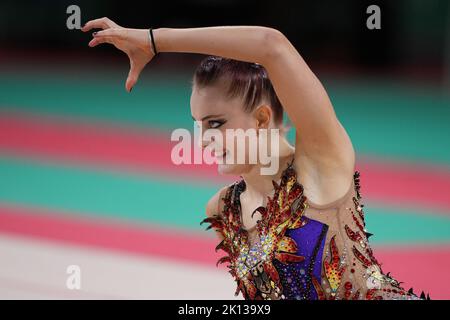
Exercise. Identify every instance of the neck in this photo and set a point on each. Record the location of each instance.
(260, 186)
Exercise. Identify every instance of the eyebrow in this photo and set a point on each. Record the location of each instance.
(209, 117)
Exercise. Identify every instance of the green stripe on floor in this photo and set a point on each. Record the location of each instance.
(382, 118)
(161, 103)
(399, 226)
(103, 194)
(157, 200)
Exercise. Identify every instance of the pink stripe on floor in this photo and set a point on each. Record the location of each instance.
(148, 151)
(406, 184)
(106, 145)
(117, 235)
(424, 268)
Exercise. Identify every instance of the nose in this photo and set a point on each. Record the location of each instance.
(201, 143)
(198, 134)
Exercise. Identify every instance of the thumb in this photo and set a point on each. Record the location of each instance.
(133, 75)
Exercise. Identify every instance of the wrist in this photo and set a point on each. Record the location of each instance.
(159, 39)
(152, 42)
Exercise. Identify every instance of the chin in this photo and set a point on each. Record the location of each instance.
(231, 169)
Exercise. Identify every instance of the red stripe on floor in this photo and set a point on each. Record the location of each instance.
(117, 235)
(149, 151)
(107, 145)
(424, 268)
(406, 184)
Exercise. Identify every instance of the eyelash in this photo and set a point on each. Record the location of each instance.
(220, 123)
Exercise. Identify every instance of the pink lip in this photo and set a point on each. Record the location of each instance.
(220, 156)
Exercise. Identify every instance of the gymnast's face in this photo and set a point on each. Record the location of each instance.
(212, 110)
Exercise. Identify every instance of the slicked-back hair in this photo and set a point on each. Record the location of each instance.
(246, 80)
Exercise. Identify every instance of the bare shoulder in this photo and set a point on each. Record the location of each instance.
(215, 203)
(214, 206)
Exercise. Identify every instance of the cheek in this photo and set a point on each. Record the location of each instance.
(237, 135)
(219, 142)
(241, 148)
(233, 169)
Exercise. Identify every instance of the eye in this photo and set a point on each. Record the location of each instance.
(214, 124)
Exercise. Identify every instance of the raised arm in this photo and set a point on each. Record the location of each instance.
(321, 141)
(322, 144)
(246, 43)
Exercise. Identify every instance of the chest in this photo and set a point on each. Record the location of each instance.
(292, 261)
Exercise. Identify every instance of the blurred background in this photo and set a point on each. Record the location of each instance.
(86, 177)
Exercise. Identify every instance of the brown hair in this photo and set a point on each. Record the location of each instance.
(244, 79)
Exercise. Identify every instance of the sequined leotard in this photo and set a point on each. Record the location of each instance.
(302, 250)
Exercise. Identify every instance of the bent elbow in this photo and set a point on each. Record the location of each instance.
(274, 43)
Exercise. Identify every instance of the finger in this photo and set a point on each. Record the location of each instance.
(111, 32)
(108, 35)
(95, 24)
(133, 75)
(96, 41)
(102, 23)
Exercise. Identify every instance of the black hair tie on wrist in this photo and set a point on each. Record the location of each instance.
(153, 41)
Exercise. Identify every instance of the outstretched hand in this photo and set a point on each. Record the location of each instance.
(134, 42)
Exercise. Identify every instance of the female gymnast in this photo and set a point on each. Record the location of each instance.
(298, 233)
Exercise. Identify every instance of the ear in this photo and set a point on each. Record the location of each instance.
(263, 114)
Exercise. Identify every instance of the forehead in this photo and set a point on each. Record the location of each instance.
(212, 100)
(210, 95)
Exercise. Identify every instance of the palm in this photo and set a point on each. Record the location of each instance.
(133, 42)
